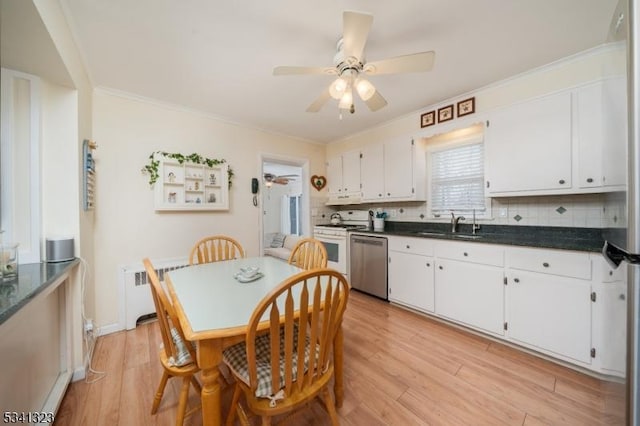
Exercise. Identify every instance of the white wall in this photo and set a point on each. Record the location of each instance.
(127, 228)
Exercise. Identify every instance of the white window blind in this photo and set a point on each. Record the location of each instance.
(457, 179)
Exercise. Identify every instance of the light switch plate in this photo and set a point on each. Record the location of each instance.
(503, 212)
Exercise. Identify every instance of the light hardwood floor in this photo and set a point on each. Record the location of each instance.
(400, 368)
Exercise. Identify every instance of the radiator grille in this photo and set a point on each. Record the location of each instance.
(138, 301)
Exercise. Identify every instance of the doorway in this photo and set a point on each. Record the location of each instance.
(285, 198)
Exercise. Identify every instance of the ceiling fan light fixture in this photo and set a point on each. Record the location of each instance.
(365, 89)
(346, 100)
(337, 88)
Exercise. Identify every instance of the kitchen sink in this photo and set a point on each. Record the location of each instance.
(431, 234)
(467, 236)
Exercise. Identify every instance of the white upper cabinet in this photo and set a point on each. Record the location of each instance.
(614, 142)
(343, 177)
(393, 171)
(601, 126)
(528, 146)
(568, 142)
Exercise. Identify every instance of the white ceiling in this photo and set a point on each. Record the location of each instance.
(218, 56)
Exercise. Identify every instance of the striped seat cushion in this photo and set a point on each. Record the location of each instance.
(236, 358)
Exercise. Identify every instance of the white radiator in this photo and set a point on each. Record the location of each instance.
(137, 294)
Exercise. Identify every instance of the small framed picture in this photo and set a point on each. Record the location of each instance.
(428, 119)
(468, 106)
(445, 113)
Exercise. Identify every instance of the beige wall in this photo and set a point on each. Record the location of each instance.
(126, 226)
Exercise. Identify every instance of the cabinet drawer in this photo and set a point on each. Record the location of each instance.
(603, 272)
(471, 252)
(421, 246)
(555, 262)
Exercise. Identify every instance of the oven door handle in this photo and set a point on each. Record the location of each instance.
(329, 237)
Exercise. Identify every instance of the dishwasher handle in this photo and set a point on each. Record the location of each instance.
(370, 241)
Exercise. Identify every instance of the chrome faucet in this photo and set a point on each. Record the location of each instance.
(454, 222)
(475, 225)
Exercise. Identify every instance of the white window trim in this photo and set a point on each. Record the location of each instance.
(7, 184)
(445, 145)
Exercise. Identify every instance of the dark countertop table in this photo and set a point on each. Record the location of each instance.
(554, 237)
(33, 278)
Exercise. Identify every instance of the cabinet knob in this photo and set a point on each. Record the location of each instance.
(465, 253)
(516, 280)
(440, 267)
(388, 194)
(621, 297)
(589, 180)
(561, 181)
(408, 246)
(428, 264)
(545, 264)
(379, 195)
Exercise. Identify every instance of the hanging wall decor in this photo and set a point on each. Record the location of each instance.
(318, 182)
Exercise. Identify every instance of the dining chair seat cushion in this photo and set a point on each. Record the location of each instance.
(236, 358)
(183, 357)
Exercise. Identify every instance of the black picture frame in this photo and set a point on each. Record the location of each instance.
(466, 107)
(445, 113)
(428, 119)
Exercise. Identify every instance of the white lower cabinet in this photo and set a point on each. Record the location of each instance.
(550, 313)
(568, 305)
(411, 272)
(412, 283)
(471, 293)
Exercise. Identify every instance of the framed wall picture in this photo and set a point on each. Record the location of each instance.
(428, 119)
(466, 107)
(445, 113)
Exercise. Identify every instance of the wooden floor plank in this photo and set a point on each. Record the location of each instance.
(400, 368)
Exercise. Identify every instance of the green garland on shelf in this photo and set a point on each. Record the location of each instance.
(152, 167)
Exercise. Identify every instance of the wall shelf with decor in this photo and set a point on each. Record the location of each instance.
(190, 186)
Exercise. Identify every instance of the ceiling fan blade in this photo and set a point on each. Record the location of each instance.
(376, 102)
(319, 103)
(286, 70)
(355, 30)
(417, 62)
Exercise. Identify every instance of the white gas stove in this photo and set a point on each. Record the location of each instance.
(334, 236)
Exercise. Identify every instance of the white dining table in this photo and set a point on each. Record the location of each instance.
(214, 309)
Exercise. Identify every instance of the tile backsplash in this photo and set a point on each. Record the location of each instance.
(579, 210)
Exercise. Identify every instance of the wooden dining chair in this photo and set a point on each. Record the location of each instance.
(177, 356)
(309, 253)
(214, 249)
(287, 360)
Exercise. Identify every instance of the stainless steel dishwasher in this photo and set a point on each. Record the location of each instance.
(368, 266)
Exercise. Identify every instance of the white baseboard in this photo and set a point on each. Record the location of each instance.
(78, 374)
(111, 328)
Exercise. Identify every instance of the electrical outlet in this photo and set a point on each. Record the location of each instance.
(88, 326)
(502, 212)
(393, 212)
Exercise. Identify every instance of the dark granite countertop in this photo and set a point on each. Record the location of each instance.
(33, 278)
(564, 238)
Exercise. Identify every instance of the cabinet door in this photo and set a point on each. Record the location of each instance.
(334, 175)
(398, 168)
(528, 146)
(472, 294)
(590, 133)
(610, 326)
(372, 173)
(411, 280)
(351, 172)
(551, 313)
(614, 153)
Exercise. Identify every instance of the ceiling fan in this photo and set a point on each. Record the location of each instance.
(270, 179)
(350, 66)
